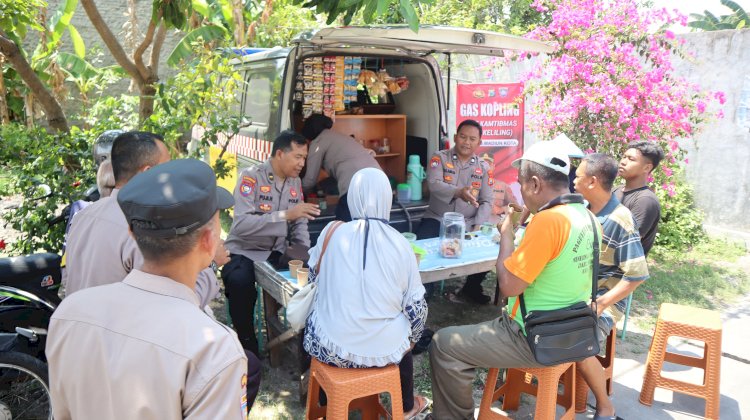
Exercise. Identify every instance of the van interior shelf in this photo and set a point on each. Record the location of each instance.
(387, 155)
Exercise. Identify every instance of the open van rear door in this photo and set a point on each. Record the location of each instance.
(429, 39)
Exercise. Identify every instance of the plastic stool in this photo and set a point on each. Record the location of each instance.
(360, 387)
(608, 363)
(691, 323)
(518, 380)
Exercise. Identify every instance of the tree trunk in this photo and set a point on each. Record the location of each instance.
(146, 105)
(4, 117)
(55, 115)
(28, 102)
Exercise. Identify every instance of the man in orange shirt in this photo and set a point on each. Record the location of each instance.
(552, 267)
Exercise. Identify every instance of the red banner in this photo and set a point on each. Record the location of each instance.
(498, 107)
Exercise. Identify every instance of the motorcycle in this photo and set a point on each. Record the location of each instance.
(29, 289)
(24, 384)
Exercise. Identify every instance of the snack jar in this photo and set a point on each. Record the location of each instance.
(452, 232)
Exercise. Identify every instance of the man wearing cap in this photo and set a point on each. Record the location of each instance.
(545, 268)
(99, 248)
(567, 146)
(269, 209)
(143, 348)
(622, 264)
(459, 181)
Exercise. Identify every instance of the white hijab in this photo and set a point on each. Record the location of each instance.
(368, 276)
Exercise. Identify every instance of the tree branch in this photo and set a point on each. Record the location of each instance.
(138, 54)
(111, 42)
(55, 115)
(156, 49)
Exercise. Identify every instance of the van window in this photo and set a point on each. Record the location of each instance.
(262, 98)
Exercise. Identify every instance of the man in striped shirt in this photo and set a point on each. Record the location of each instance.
(622, 264)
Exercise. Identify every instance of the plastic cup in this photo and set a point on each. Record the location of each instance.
(515, 214)
(294, 265)
(302, 275)
(487, 228)
(411, 237)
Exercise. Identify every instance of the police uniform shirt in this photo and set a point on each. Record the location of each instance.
(101, 251)
(446, 174)
(260, 204)
(142, 348)
(341, 156)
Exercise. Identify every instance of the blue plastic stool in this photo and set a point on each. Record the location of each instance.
(627, 315)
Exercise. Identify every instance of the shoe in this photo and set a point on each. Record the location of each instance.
(598, 417)
(475, 296)
(420, 404)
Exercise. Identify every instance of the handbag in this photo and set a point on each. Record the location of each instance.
(299, 306)
(569, 334)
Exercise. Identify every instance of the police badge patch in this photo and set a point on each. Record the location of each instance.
(247, 186)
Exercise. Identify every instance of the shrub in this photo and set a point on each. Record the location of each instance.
(681, 224)
(49, 171)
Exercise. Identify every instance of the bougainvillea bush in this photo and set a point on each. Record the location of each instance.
(611, 80)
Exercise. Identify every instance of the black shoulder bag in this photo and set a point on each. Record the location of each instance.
(567, 334)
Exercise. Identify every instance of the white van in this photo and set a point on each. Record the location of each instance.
(275, 96)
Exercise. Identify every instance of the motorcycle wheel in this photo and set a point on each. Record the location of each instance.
(24, 389)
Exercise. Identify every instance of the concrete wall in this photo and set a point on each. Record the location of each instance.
(719, 156)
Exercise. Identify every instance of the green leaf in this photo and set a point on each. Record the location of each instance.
(201, 6)
(369, 11)
(76, 66)
(226, 11)
(382, 7)
(78, 46)
(60, 21)
(184, 49)
(410, 15)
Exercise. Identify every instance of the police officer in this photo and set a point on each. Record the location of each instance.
(341, 156)
(99, 249)
(148, 349)
(459, 181)
(269, 209)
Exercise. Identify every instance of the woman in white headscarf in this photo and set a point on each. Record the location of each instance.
(369, 309)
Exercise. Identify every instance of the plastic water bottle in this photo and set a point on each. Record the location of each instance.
(415, 174)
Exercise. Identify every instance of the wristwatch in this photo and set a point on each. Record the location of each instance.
(214, 267)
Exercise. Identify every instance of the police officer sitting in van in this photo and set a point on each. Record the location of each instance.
(459, 181)
(268, 209)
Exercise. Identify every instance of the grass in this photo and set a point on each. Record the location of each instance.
(707, 276)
